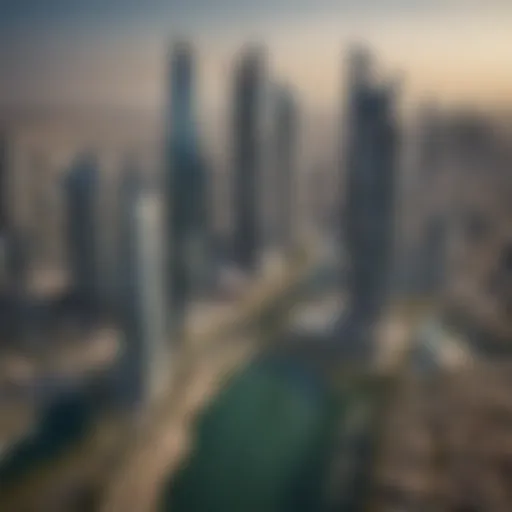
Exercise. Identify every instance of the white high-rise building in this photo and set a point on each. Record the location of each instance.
(144, 365)
(152, 310)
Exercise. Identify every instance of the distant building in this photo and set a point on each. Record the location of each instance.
(40, 215)
(431, 142)
(247, 157)
(185, 190)
(143, 366)
(130, 189)
(430, 203)
(476, 288)
(320, 200)
(286, 130)
(3, 213)
(13, 254)
(371, 168)
(434, 253)
(4, 193)
(472, 141)
(81, 191)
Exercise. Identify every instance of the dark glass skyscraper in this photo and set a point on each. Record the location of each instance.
(286, 126)
(371, 162)
(81, 187)
(185, 185)
(247, 154)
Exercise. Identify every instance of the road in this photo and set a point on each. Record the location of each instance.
(211, 358)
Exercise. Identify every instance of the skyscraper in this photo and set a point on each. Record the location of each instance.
(81, 190)
(185, 188)
(431, 202)
(3, 213)
(247, 156)
(130, 187)
(144, 361)
(39, 215)
(285, 146)
(152, 301)
(370, 181)
(3, 185)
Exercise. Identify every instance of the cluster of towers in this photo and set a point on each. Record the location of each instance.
(187, 176)
(163, 254)
(162, 238)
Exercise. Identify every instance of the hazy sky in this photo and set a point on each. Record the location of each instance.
(97, 52)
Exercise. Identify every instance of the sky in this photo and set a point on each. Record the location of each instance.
(113, 52)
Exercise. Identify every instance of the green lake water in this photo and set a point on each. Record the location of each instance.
(262, 446)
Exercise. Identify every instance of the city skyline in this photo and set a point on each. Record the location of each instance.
(112, 53)
(181, 292)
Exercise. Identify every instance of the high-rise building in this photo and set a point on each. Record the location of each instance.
(431, 204)
(143, 366)
(3, 185)
(40, 208)
(430, 143)
(152, 294)
(3, 213)
(81, 191)
(286, 127)
(247, 157)
(130, 187)
(186, 189)
(371, 167)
